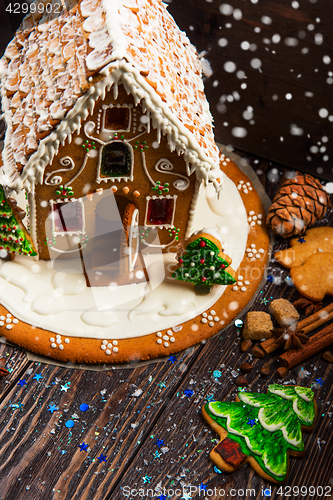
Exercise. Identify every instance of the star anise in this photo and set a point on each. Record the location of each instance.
(290, 338)
(308, 306)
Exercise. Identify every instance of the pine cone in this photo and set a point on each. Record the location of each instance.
(298, 204)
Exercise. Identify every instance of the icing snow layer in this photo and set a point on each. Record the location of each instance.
(58, 300)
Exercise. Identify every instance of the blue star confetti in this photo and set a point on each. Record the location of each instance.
(102, 458)
(251, 422)
(83, 446)
(22, 382)
(52, 408)
(289, 281)
(146, 479)
(301, 240)
(203, 487)
(188, 393)
(65, 387)
(162, 497)
(84, 407)
(37, 377)
(319, 381)
(267, 492)
(172, 359)
(160, 442)
(270, 278)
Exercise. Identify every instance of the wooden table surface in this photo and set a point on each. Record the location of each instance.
(156, 438)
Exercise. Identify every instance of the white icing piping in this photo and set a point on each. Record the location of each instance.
(178, 136)
(194, 202)
(33, 218)
(113, 23)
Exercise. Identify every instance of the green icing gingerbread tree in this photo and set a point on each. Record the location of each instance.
(13, 236)
(265, 427)
(203, 264)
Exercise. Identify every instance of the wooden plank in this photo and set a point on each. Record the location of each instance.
(43, 457)
(292, 50)
(189, 439)
(16, 363)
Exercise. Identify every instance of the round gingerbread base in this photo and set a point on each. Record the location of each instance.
(169, 341)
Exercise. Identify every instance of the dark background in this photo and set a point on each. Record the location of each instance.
(269, 74)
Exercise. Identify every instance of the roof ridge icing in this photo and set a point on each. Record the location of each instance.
(115, 39)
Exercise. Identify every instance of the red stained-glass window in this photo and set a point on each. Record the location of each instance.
(160, 211)
(68, 217)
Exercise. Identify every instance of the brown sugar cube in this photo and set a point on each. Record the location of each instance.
(257, 326)
(284, 312)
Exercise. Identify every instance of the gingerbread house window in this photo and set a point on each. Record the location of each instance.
(116, 160)
(68, 217)
(160, 211)
(117, 118)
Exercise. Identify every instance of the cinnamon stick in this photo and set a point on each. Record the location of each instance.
(318, 342)
(307, 325)
(269, 345)
(323, 315)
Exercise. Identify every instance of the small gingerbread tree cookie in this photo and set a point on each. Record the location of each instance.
(262, 429)
(14, 238)
(204, 264)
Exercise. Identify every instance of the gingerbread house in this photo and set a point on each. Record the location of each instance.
(107, 121)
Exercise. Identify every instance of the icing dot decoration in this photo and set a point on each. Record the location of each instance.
(254, 219)
(109, 347)
(167, 337)
(253, 253)
(209, 318)
(245, 187)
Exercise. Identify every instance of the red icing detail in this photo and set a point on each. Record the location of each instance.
(160, 211)
(180, 261)
(202, 261)
(231, 452)
(203, 279)
(202, 244)
(222, 266)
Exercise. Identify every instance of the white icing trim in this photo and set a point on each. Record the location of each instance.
(143, 157)
(130, 177)
(178, 183)
(296, 410)
(110, 106)
(56, 179)
(134, 224)
(248, 401)
(161, 226)
(280, 426)
(178, 136)
(33, 218)
(67, 233)
(194, 202)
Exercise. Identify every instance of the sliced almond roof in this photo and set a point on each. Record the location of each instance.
(58, 65)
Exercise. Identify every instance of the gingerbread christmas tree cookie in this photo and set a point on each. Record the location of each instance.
(262, 429)
(204, 264)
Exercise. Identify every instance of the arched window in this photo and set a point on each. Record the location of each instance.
(116, 160)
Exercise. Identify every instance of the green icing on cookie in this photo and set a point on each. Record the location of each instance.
(266, 426)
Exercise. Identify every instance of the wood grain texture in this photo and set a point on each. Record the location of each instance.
(43, 458)
(277, 51)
